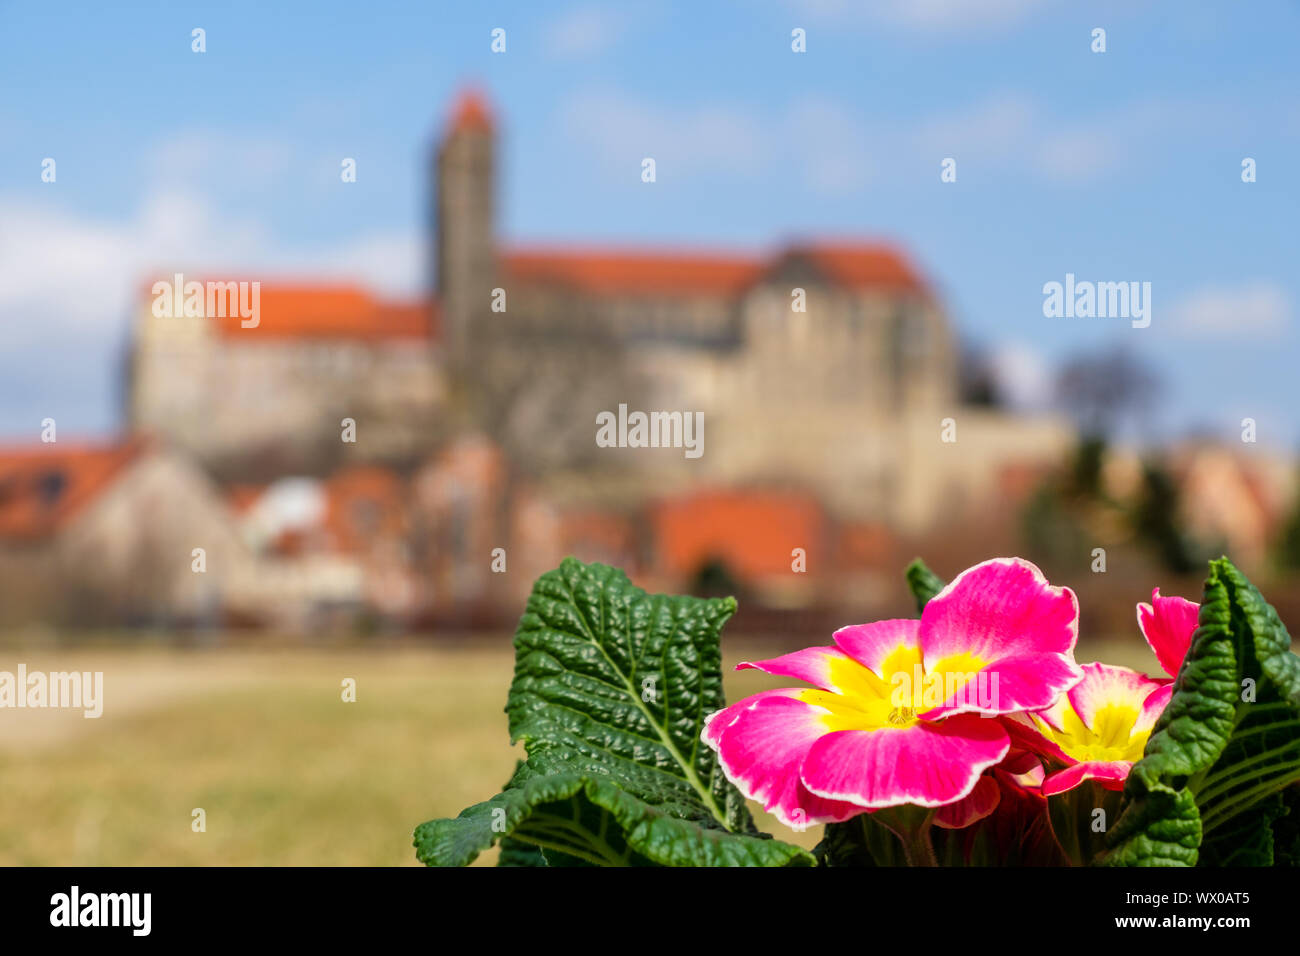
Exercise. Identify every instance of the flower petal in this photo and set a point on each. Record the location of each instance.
(1154, 706)
(876, 646)
(975, 806)
(720, 720)
(1025, 733)
(1111, 774)
(761, 747)
(929, 764)
(1106, 718)
(816, 665)
(1168, 624)
(1106, 686)
(1002, 618)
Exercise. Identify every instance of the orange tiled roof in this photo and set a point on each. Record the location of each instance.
(861, 265)
(602, 272)
(365, 503)
(242, 497)
(863, 545)
(471, 111)
(752, 532)
(42, 486)
(301, 311)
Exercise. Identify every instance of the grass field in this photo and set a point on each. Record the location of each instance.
(286, 772)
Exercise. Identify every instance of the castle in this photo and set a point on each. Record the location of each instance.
(827, 366)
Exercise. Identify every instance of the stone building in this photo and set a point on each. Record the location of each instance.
(110, 533)
(272, 399)
(827, 365)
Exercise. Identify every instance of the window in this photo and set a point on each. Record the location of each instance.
(907, 346)
(365, 516)
(50, 486)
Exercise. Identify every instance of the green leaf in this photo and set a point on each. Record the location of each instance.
(575, 819)
(1159, 828)
(1229, 739)
(611, 680)
(518, 853)
(923, 583)
(1286, 830)
(611, 690)
(1247, 839)
(1076, 824)
(860, 841)
(1263, 754)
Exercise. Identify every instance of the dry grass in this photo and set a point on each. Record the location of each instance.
(287, 773)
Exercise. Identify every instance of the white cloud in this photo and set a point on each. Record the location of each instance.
(393, 264)
(700, 139)
(66, 274)
(1257, 308)
(584, 32)
(988, 130)
(815, 137)
(946, 15)
(1078, 149)
(836, 151)
(1023, 378)
(832, 148)
(1077, 154)
(1013, 131)
(69, 286)
(930, 16)
(202, 155)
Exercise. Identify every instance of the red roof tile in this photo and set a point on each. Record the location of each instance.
(471, 111)
(752, 532)
(303, 311)
(861, 265)
(241, 498)
(674, 273)
(604, 272)
(42, 486)
(365, 503)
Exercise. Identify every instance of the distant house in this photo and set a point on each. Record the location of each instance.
(723, 540)
(111, 533)
(329, 548)
(460, 503)
(1234, 499)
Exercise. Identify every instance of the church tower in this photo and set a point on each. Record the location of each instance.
(465, 257)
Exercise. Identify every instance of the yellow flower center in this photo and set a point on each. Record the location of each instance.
(866, 701)
(1111, 737)
(902, 716)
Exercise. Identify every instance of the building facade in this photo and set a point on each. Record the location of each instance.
(826, 365)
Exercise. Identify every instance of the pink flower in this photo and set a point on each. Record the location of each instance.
(897, 716)
(1098, 729)
(1168, 623)
(1019, 769)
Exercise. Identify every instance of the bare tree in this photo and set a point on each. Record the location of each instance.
(1099, 389)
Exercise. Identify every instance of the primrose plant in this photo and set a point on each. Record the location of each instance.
(969, 736)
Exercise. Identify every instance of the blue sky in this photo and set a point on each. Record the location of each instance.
(1117, 166)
